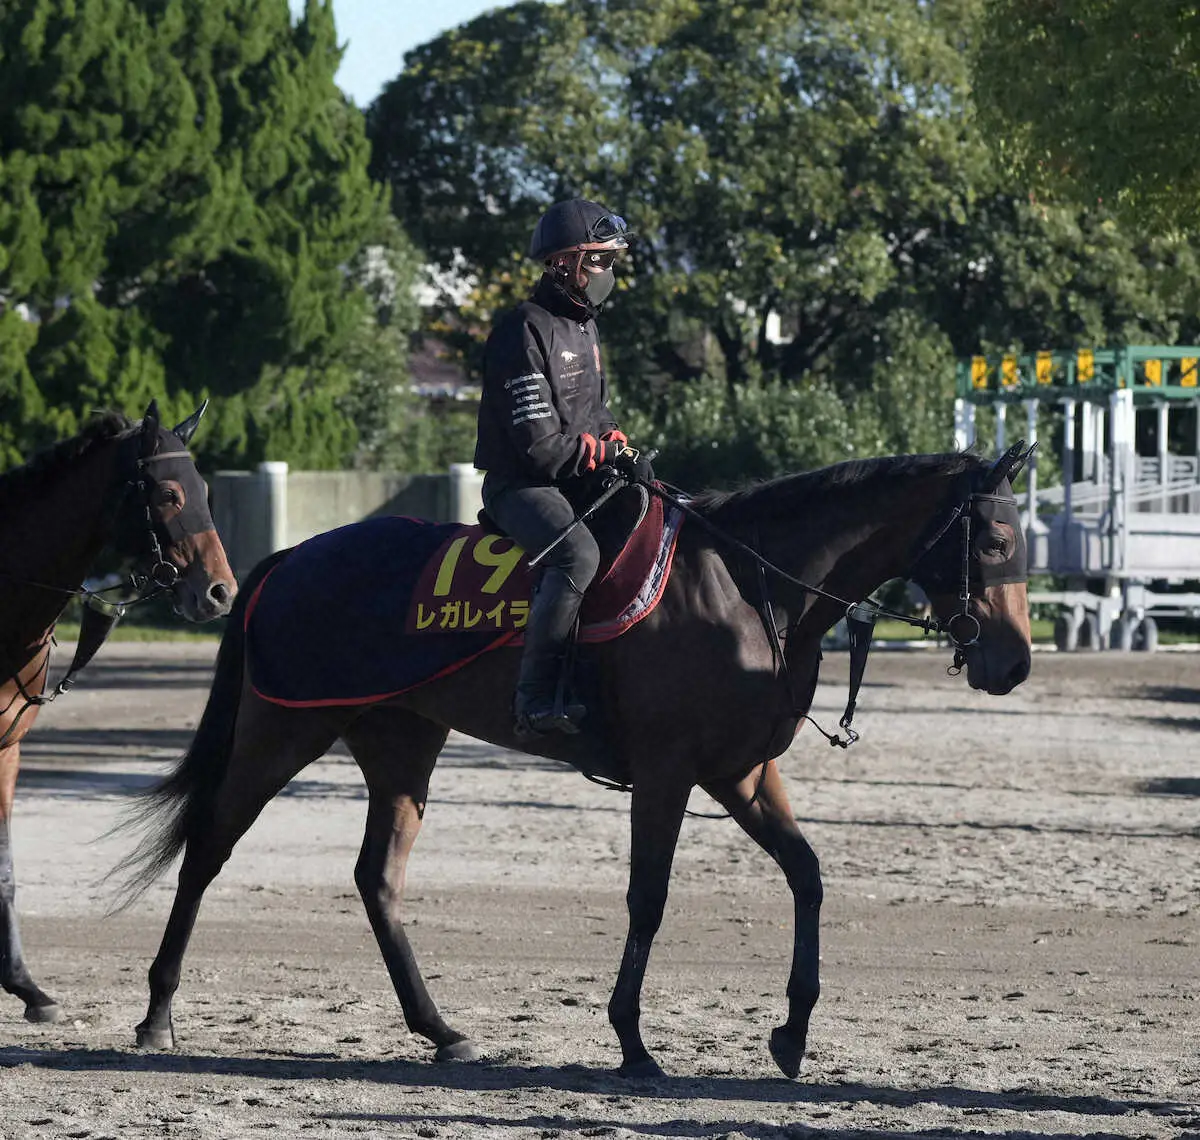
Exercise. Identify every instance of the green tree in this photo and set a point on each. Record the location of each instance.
(1090, 100)
(398, 429)
(814, 163)
(182, 191)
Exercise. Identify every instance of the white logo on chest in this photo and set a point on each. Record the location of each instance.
(568, 355)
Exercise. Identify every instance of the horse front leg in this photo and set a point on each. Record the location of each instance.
(761, 807)
(14, 974)
(656, 814)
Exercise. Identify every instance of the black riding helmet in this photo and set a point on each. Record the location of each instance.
(577, 224)
(578, 241)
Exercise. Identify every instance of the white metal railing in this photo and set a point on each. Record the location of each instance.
(1180, 495)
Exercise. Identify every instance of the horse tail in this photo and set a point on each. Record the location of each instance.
(176, 808)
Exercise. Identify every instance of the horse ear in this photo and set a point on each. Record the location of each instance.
(187, 429)
(1021, 460)
(150, 419)
(1003, 467)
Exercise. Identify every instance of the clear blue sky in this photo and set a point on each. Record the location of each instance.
(377, 33)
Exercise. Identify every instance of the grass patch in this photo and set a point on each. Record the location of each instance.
(69, 631)
(1042, 630)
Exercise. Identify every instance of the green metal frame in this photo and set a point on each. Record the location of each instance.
(1153, 372)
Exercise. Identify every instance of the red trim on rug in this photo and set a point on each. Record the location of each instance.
(254, 598)
(326, 702)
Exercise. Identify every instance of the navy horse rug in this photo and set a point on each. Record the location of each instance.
(423, 600)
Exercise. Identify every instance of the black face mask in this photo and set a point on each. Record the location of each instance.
(599, 285)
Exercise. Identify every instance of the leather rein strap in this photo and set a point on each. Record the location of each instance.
(860, 617)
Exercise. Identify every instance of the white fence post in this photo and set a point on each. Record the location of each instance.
(964, 424)
(466, 485)
(273, 475)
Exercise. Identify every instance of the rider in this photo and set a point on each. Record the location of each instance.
(544, 426)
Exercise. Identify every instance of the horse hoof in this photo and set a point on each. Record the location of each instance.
(155, 1038)
(463, 1050)
(647, 1069)
(43, 1014)
(787, 1053)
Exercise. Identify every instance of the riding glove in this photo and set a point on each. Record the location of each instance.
(634, 466)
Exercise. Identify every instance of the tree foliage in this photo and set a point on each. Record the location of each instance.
(1090, 100)
(811, 162)
(182, 192)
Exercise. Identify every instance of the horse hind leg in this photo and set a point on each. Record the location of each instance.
(396, 751)
(14, 974)
(271, 745)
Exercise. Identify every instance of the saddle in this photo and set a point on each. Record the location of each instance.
(612, 526)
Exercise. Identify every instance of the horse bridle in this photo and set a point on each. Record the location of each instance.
(159, 572)
(1014, 568)
(99, 618)
(163, 573)
(860, 616)
(961, 512)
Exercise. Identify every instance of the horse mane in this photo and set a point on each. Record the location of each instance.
(788, 494)
(17, 482)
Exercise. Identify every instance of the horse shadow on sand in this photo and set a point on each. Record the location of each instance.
(498, 1076)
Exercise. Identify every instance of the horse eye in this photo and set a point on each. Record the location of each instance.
(169, 495)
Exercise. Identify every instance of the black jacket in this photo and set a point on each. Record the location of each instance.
(544, 406)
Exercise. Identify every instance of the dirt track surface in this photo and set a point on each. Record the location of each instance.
(1010, 931)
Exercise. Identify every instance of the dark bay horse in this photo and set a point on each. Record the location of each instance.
(130, 487)
(695, 696)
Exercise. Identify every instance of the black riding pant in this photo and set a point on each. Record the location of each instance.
(535, 517)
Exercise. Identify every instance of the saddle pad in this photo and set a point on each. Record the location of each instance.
(378, 607)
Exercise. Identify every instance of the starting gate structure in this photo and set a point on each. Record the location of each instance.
(1125, 521)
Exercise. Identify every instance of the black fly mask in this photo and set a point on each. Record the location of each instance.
(990, 548)
(163, 473)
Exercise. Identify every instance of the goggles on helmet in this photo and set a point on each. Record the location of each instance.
(608, 227)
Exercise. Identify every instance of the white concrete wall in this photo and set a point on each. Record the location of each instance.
(257, 512)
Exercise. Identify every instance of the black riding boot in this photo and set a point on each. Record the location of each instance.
(537, 706)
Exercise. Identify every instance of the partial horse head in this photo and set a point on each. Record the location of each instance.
(166, 524)
(975, 572)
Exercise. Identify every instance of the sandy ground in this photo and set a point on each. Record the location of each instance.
(1009, 948)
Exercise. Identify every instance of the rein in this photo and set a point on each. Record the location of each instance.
(860, 620)
(94, 628)
(860, 616)
(927, 625)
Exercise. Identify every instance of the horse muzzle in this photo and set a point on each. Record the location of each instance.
(203, 592)
(995, 671)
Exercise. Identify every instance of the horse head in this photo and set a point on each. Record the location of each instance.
(975, 573)
(173, 536)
